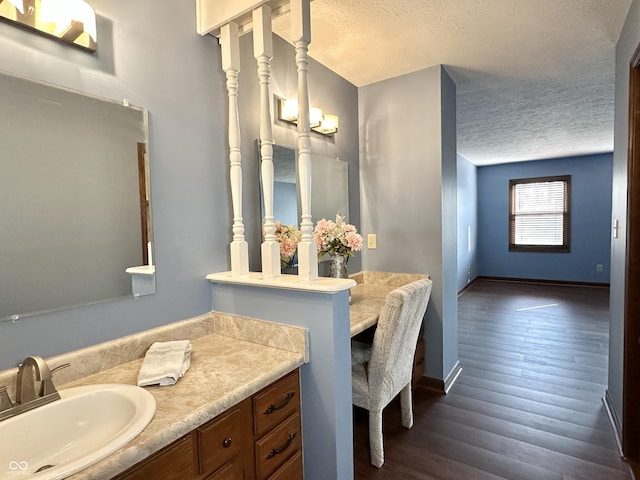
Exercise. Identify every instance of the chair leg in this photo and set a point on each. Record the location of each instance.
(376, 442)
(406, 406)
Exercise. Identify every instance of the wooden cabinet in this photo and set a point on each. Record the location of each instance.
(216, 450)
(174, 462)
(277, 431)
(418, 359)
(259, 438)
(223, 440)
(418, 363)
(275, 448)
(233, 470)
(276, 403)
(291, 469)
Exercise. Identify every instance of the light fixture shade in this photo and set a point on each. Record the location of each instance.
(73, 21)
(315, 116)
(289, 110)
(63, 13)
(18, 4)
(329, 124)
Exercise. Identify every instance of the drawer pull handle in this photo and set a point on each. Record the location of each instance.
(273, 408)
(283, 447)
(226, 443)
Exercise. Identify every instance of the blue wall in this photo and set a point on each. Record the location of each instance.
(467, 222)
(591, 185)
(178, 77)
(408, 193)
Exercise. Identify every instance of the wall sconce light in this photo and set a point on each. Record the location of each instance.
(72, 21)
(320, 123)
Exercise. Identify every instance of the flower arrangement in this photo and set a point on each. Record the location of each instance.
(288, 236)
(336, 238)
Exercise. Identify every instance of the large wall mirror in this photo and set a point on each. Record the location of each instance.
(329, 187)
(74, 198)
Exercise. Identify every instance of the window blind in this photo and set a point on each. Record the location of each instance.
(539, 214)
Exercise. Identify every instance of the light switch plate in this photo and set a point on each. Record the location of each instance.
(371, 241)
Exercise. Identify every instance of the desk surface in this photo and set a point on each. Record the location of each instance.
(367, 297)
(366, 302)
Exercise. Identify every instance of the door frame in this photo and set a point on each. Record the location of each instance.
(631, 365)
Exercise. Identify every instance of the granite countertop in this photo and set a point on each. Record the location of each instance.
(232, 358)
(369, 294)
(366, 302)
(223, 372)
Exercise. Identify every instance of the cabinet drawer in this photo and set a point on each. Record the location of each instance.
(224, 437)
(291, 470)
(174, 462)
(277, 402)
(231, 471)
(277, 447)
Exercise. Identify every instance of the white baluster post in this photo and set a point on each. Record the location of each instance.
(263, 51)
(301, 37)
(230, 47)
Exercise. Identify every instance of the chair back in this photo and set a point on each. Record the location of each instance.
(394, 343)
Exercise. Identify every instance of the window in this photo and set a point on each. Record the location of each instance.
(539, 214)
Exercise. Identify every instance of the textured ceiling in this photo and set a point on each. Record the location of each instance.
(535, 78)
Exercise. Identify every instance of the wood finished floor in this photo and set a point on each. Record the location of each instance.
(528, 404)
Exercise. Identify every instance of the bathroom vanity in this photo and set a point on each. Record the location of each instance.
(259, 438)
(212, 420)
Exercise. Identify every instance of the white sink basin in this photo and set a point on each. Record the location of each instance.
(86, 425)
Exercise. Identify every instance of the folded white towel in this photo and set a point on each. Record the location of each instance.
(164, 363)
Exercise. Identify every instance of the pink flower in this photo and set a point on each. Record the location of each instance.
(336, 238)
(288, 248)
(354, 241)
(288, 236)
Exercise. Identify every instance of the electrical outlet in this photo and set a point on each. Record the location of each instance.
(599, 267)
(371, 241)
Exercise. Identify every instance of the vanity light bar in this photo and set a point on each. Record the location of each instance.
(287, 111)
(72, 21)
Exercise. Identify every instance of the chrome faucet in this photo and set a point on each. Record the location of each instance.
(29, 394)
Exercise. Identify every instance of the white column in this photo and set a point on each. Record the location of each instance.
(230, 46)
(263, 51)
(301, 37)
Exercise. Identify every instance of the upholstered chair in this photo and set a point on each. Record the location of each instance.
(383, 369)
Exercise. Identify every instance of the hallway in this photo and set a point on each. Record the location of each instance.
(528, 404)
